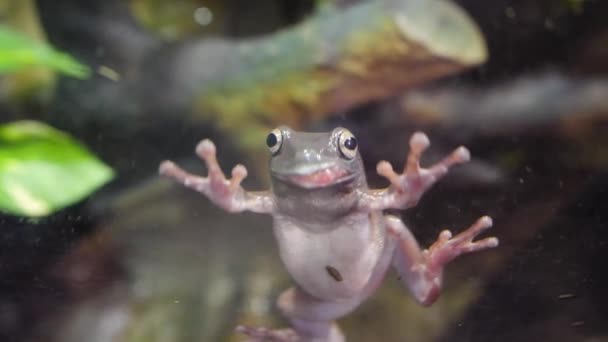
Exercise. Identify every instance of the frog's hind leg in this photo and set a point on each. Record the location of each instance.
(421, 270)
(312, 319)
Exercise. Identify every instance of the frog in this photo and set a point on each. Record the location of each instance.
(333, 235)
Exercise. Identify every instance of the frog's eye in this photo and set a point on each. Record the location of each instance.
(347, 144)
(274, 140)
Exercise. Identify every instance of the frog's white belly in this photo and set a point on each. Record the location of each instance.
(334, 262)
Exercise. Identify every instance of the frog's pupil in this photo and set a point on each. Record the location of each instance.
(350, 143)
(271, 140)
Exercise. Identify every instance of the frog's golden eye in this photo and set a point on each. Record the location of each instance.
(274, 140)
(347, 143)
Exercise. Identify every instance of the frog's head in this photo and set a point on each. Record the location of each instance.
(314, 160)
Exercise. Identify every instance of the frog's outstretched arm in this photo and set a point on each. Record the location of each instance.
(227, 194)
(406, 189)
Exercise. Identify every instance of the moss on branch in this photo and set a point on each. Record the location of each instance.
(336, 60)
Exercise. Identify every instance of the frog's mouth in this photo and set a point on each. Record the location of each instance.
(318, 179)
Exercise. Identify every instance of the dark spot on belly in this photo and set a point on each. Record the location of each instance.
(333, 273)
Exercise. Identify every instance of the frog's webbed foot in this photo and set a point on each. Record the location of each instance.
(228, 194)
(408, 187)
(260, 334)
(447, 248)
(422, 270)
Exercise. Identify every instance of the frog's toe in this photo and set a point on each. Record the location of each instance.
(261, 334)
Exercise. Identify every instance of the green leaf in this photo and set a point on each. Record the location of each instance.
(18, 52)
(43, 169)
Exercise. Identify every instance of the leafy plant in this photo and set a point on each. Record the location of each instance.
(18, 53)
(43, 169)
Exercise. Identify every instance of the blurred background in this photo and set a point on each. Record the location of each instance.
(95, 246)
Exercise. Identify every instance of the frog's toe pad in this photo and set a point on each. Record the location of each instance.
(261, 334)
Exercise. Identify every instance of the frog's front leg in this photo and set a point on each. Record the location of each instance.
(406, 189)
(227, 194)
(421, 270)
